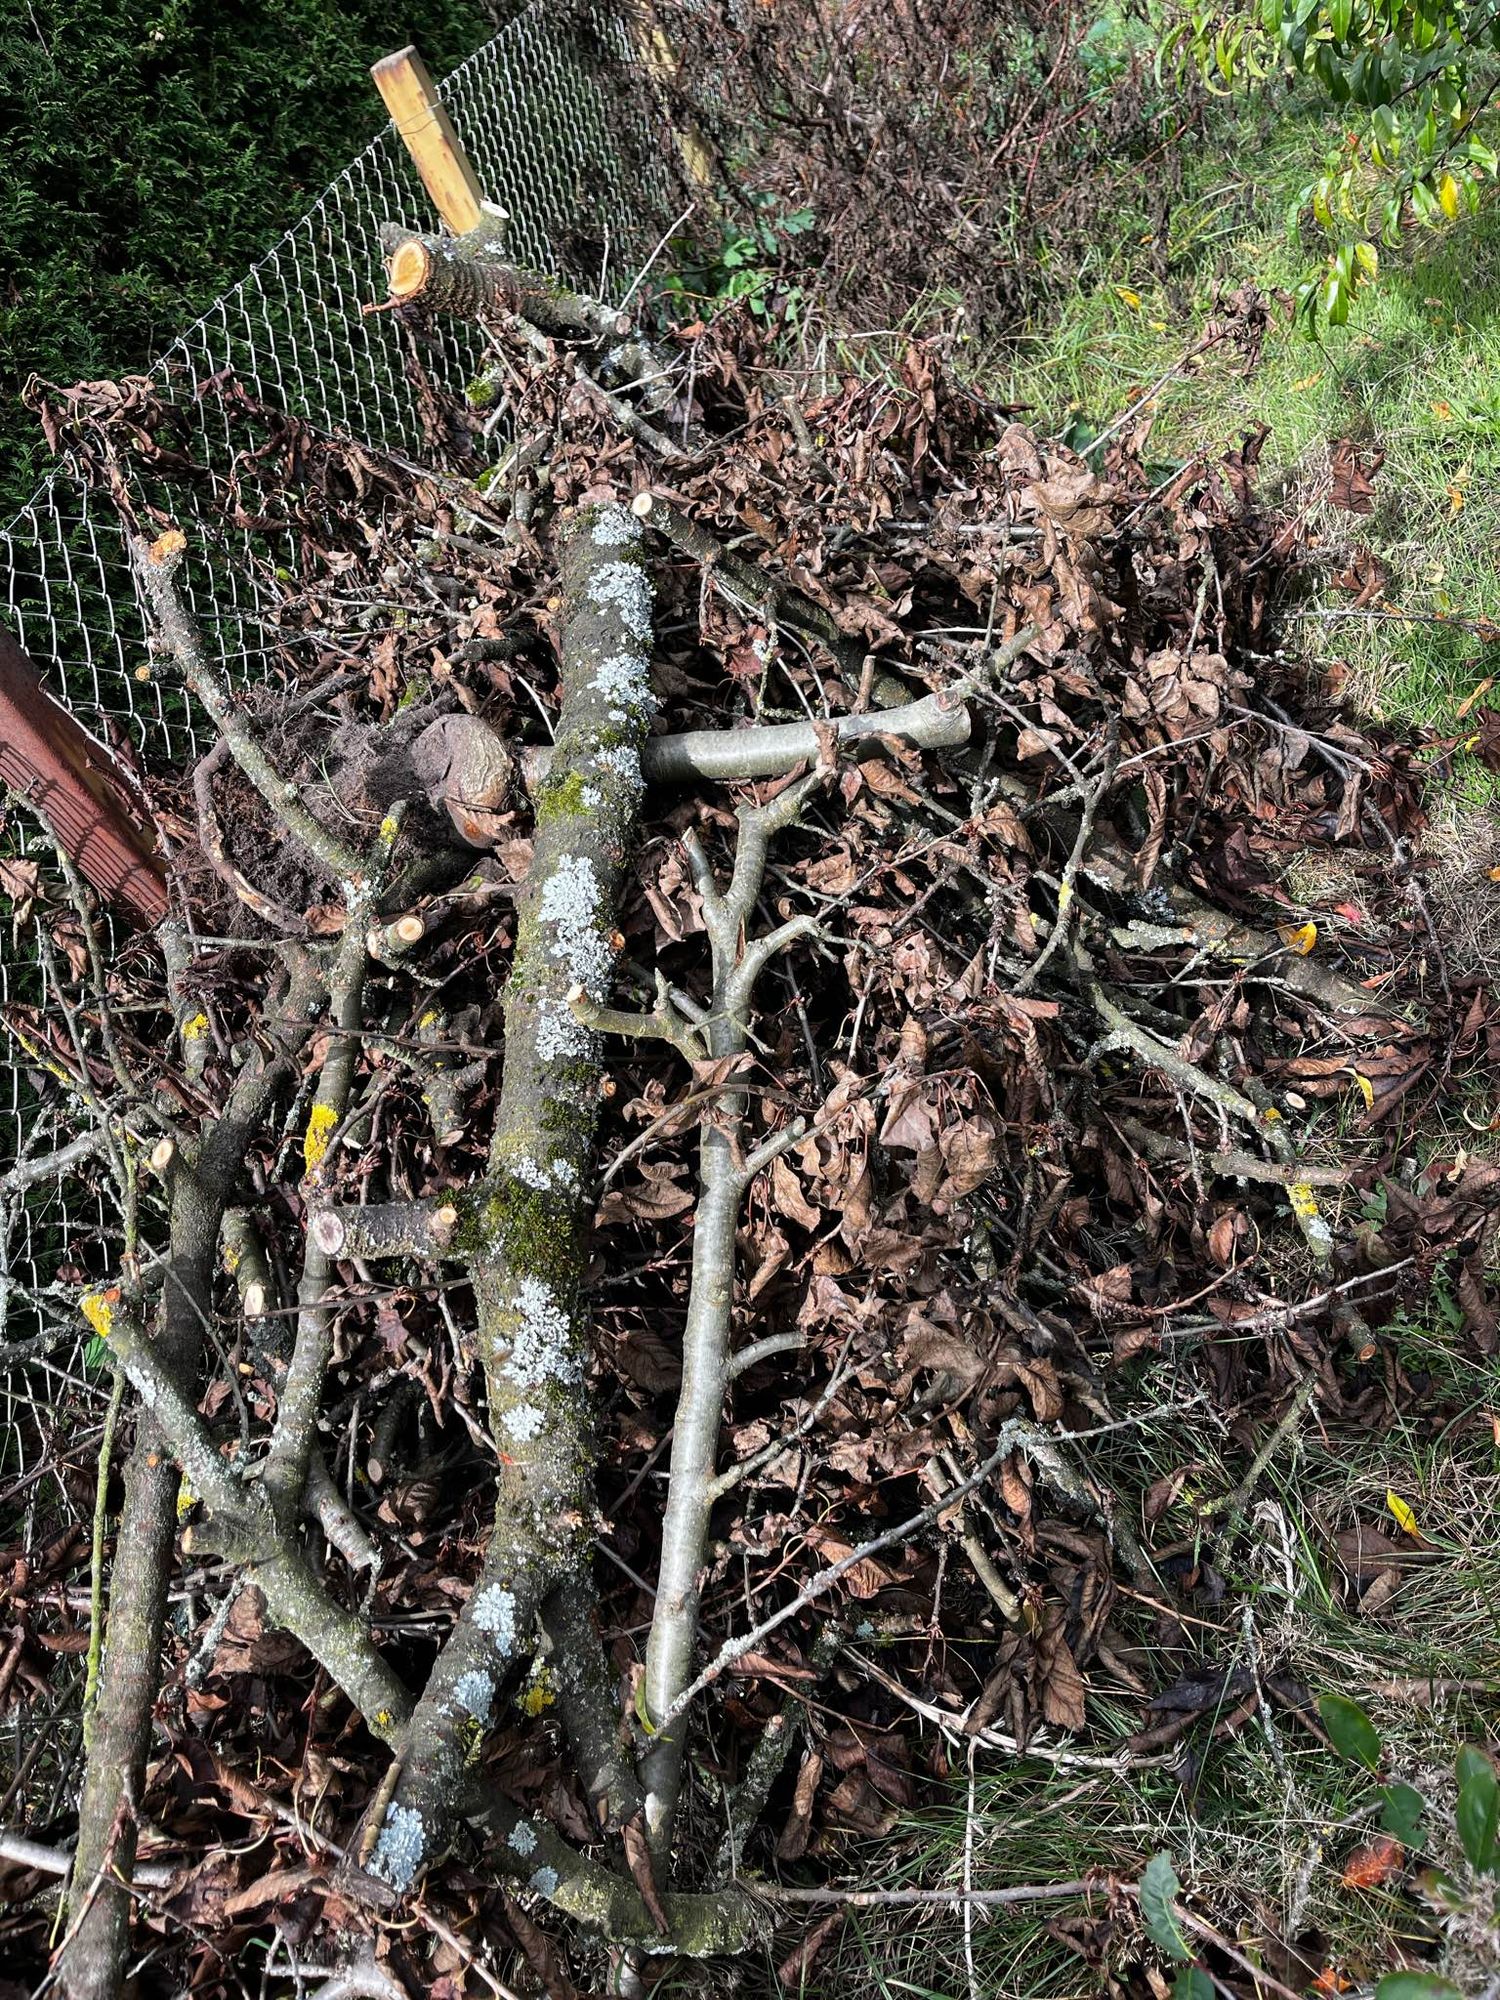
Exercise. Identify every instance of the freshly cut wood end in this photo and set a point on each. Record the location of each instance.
(326, 1228)
(162, 1155)
(255, 1300)
(408, 268)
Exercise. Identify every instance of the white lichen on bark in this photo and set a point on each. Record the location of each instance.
(622, 588)
(475, 1693)
(401, 1847)
(542, 1345)
(626, 678)
(495, 1613)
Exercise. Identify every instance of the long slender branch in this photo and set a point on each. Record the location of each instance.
(285, 1475)
(156, 565)
(201, 1176)
(524, 1246)
(707, 1367)
(243, 1525)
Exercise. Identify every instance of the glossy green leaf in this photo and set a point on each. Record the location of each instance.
(1401, 1813)
(1478, 1816)
(1350, 1730)
(1158, 1892)
(1472, 1763)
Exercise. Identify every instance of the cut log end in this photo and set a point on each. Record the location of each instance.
(408, 268)
(326, 1228)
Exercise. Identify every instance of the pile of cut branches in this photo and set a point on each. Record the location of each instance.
(728, 1008)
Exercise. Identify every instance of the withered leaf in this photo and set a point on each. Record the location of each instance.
(1061, 1686)
(1351, 475)
(647, 1359)
(786, 1191)
(792, 1844)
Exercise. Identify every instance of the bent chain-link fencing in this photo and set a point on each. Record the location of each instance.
(561, 126)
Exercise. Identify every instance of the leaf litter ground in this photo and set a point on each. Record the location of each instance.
(1103, 1120)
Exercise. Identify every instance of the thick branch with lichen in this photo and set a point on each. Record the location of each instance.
(471, 276)
(242, 1525)
(522, 1236)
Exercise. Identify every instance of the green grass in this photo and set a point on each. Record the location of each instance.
(1417, 371)
(1261, 1833)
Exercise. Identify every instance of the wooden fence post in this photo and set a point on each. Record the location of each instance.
(427, 132)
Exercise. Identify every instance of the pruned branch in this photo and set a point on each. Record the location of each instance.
(524, 1248)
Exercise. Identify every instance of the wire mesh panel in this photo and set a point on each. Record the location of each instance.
(558, 123)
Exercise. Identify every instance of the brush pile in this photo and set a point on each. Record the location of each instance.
(1050, 1104)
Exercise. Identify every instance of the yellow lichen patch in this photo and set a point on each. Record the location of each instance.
(319, 1131)
(195, 1027)
(540, 1693)
(1309, 1217)
(1304, 1201)
(187, 1499)
(98, 1308)
(390, 826)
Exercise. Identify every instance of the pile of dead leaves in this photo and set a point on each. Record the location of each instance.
(994, 1212)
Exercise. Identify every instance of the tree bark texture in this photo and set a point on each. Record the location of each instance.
(523, 1233)
(469, 277)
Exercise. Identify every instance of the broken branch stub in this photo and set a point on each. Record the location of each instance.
(470, 277)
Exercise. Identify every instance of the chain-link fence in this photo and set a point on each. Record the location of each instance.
(560, 126)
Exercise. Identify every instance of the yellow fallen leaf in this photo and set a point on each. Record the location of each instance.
(1478, 694)
(1132, 299)
(1406, 1520)
(1443, 410)
(1455, 500)
(1366, 1090)
(1299, 938)
(1309, 381)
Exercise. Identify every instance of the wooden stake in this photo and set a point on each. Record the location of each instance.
(427, 133)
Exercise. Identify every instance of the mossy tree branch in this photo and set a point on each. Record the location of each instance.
(523, 1238)
(202, 1173)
